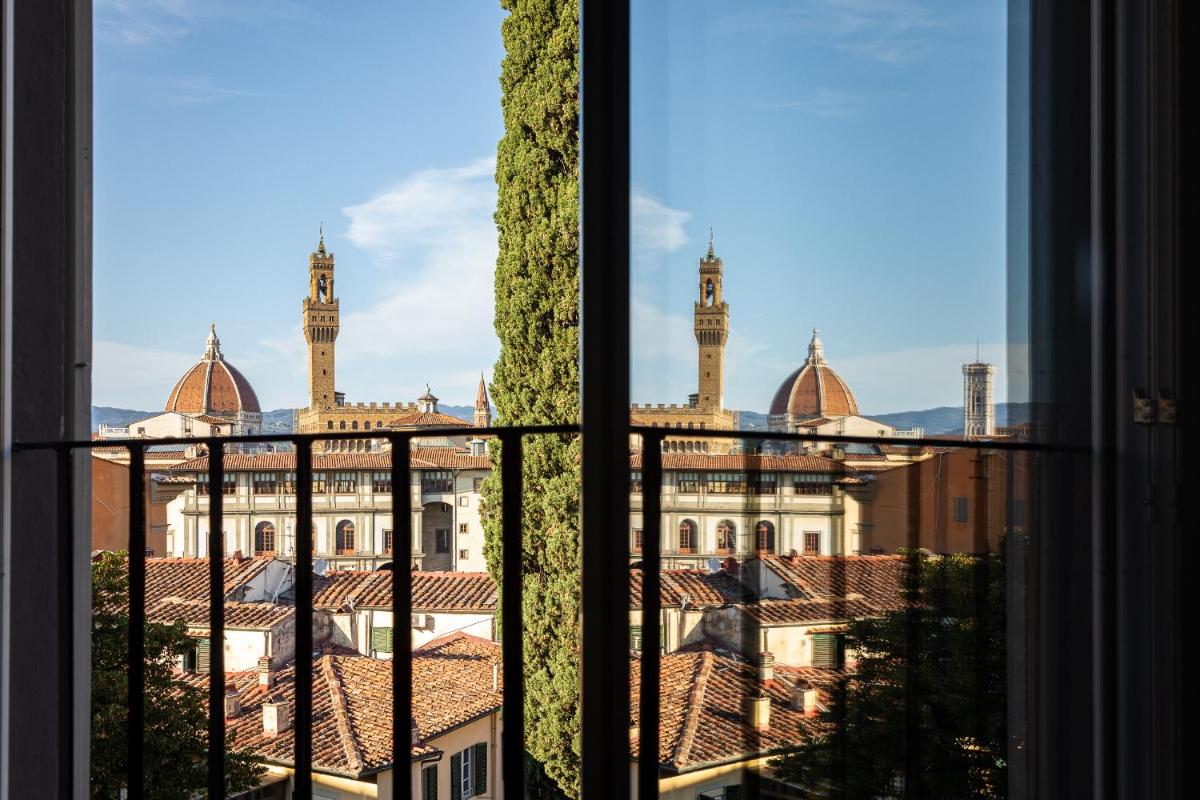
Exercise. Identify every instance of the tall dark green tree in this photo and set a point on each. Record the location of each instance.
(176, 713)
(536, 379)
(927, 698)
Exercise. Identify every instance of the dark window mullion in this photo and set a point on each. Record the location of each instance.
(216, 621)
(137, 622)
(512, 536)
(401, 610)
(304, 644)
(648, 709)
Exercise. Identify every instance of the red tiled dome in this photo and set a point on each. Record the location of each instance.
(814, 390)
(213, 386)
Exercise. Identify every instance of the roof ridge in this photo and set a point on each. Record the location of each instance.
(695, 700)
(341, 714)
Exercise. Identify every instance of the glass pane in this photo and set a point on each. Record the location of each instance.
(818, 222)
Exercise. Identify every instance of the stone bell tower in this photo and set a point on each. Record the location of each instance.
(320, 321)
(711, 317)
(979, 410)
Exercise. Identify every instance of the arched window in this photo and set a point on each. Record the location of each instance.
(342, 424)
(345, 538)
(726, 536)
(764, 537)
(264, 539)
(687, 536)
(367, 425)
(709, 294)
(330, 424)
(354, 425)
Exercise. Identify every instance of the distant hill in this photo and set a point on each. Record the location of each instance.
(277, 421)
(935, 421)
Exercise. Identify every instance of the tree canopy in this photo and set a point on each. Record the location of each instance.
(176, 713)
(926, 698)
(536, 378)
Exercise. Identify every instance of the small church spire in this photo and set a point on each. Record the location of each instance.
(321, 243)
(711, 254)
(483, 408)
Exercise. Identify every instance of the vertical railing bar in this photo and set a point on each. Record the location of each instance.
(135, 743)
(216, 619)
(912, 575)
(401, 610)
(511, 590)
(66, 600)
(302, 675)
(648, 706)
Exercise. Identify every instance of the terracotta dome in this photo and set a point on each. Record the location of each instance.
(213, 386)
(814, 390)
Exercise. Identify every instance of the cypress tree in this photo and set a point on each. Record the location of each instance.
(536, 379)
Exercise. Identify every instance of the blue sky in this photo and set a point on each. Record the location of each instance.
(849, 155)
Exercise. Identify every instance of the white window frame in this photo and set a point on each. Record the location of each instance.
(466, 777)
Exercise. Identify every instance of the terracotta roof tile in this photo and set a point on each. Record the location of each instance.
(431, 591)
(701, 588)
(427, 419)
(877, 580)
(352, 704)
(800, 611)
(187, 578)
(254, 616)
(703, 717)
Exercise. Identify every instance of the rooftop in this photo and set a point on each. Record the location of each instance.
(431, 591)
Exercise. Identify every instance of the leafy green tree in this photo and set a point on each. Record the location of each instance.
(536, 379)
(926, 698)
(176, 741)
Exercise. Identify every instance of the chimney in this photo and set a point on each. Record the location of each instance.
(804, 698)
(275, 716)
(266, 676)
(495, 677)
(233, 703)
(758, 711)
(766, 668)
(478, 447)
(838, 453)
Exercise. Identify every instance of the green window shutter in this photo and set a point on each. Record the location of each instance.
(825, 650)
(430, 775)
(480, 767)
(381, 640)
(635, 638)
(456, 776)
(203, 661)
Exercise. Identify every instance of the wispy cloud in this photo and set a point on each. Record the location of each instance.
(433, 236)
(152, 22)
(889, 31)
(200, 90)
(820, 103)
(656, 228)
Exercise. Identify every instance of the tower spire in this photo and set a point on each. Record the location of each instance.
(711, 254)
(212, 345)
(321, 243)
(483, 408)
(816, 350)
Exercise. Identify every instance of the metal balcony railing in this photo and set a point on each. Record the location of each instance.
(511, 463)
